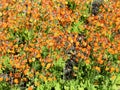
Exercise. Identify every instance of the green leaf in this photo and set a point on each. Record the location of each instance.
(71, 5)
(44, 52)
(57, 87)
(59, 62)
(81, 88)
(36, 65)
(1, 71)
(118, 80)
(6, 62)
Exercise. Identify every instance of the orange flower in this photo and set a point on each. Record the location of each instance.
(31, 44)
(16, 81)
(106, 69)
(45, 79)
(7, 79)
(38, 55)
(49, 60)
(1, 79)
(0, 66)
(30, 88)
(76, 59)
(77, 44)
(41, 76)
(79, 55)
(117, 69)
(25, 79)
(111, 51)
(17, 65)
(31, 75)
(98, 68)
(100, 61)
(43, 64)
(83, 49)
(4, 25)
(54, 78)
(26, 49)
(113, 77)
(37, 73)
(30, 60)
(112, 69)
(84, 43)
(48, 66)
(10, 74)
(0, 14)
(87, 61)
(50, 79)
(95, 44)
(16, 46)
(70, 39)
(17, 75)
(26, 71)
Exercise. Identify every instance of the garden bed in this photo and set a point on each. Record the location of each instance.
(59, 44)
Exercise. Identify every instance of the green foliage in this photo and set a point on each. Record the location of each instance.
(4, 86)
(57, 69)
(45, 52)
(6, 64)
(22, 35)
(71, 5)
(36, 65)
(74, 16)
(118, 80)
(77, 27)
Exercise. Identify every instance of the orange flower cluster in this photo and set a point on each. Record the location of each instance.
(33, 31)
